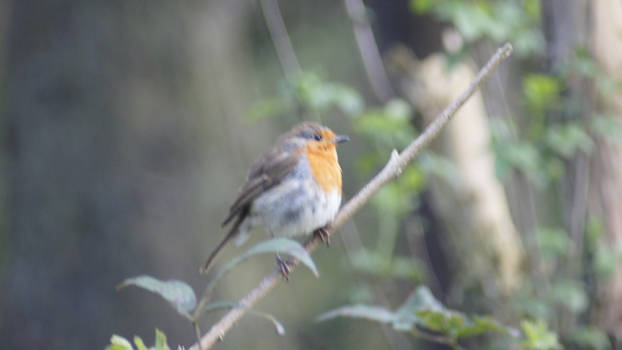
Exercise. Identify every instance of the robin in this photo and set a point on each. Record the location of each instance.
(292, 189)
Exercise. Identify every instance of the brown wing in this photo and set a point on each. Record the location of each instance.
(265, 173)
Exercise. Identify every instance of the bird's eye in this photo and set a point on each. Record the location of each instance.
(317, 137)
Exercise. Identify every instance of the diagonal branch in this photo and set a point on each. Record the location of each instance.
(392, 170)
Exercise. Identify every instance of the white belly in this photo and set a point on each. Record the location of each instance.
(294, 208)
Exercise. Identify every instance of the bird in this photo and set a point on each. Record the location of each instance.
(292, 189)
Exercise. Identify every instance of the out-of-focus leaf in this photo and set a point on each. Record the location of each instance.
(117, 342)
(483, 324)
(421, 309)
(590, 338)
(388, 127)
(140, 345)
(398, 109)
(422, 6)
(520, 155)
(392, 200)
(553, 242)
(425, 310)
(368, 312)
(178, 293)
(541, 92)
(160, 341)
(268, 107)
(605, 260)
(538, 336)
(319, 95)
(607, 127)
(570, 294)
(567, 139)
(421, 299)
(376, 264)
(438, 165)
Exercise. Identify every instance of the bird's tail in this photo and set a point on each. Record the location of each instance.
(235, 229)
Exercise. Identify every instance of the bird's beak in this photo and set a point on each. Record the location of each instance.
(341, 138)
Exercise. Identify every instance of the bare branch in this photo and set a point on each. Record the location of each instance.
(366, 43)
(392, 169)
(278, 33)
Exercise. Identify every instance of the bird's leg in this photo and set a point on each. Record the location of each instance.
(283, 266)
(322, 233)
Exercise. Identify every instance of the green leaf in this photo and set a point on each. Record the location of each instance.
(541, 92)
(277, 245)
(570, 294)
(117, 342)
(567, 139)
(140, 345)
(368, 312)
(319, 95)
(421, 309)
(590, 338)
(554, 242)
(483, 324)
(178, 293)
(538, 336)
(422, 6)
(160, 341)
(274, 245)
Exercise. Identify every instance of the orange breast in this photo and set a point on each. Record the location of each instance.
(325, 167)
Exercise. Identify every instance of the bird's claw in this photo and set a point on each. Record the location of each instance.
(322, 233)
(284, 267)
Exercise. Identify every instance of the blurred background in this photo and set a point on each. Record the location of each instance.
(127, 127)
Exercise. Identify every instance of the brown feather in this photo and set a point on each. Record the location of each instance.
(267, 172)
(232, 232)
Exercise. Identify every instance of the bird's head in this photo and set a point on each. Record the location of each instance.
(313, 137)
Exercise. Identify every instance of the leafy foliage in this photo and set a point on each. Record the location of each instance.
(538, 336)
(182, 297)
(117, 342)
(498, 20)
(310, 93)
(422, 311)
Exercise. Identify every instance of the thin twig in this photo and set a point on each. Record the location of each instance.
(197, 332)
(372, 62)
(278, 33)
(391, 170)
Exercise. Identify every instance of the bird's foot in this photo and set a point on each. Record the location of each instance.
(283, 266)
(322, 233)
